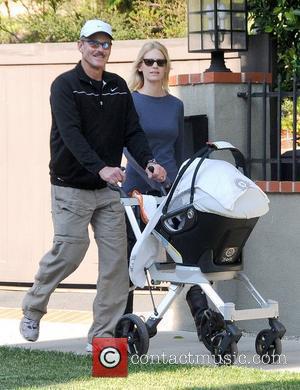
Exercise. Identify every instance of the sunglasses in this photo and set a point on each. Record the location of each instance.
(95, 44)
(151, 61)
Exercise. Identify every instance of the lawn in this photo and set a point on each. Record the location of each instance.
(32, 369)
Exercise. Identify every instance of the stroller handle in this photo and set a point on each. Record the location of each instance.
(162, 187)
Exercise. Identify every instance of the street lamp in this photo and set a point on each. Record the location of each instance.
(216, 26)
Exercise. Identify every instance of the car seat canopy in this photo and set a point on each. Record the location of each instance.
(222, 189)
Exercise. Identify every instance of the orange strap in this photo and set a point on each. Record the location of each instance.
(136, 194)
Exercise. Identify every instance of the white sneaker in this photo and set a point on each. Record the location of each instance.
(29, 329)
(89, 348)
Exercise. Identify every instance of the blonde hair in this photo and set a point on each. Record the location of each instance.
(136, 80)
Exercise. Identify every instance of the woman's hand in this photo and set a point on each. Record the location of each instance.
(156, 172)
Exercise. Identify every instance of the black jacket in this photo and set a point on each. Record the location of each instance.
(91, 123)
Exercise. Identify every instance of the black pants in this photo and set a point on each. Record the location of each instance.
(197, 302)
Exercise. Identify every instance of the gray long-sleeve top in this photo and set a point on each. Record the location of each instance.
(163, 122)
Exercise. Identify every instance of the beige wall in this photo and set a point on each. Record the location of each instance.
(26, 72)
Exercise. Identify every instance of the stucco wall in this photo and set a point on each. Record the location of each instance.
(272, 260)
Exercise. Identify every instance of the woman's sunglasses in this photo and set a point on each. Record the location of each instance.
(150, 62)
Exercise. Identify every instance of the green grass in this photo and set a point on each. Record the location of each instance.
(32, 369)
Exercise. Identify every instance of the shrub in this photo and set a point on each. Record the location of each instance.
(281, 19)
(61, 20)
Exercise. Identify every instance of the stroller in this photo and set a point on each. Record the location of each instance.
(203, 224)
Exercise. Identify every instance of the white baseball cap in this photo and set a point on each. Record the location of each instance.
(95, 26)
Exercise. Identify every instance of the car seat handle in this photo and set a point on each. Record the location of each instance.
(203, 152)
(237, 155)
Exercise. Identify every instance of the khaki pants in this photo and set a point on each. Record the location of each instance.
(72, 212)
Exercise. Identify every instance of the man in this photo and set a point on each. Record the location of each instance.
(93, 118)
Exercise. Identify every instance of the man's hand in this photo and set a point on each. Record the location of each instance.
(156, 172)
(112, 175)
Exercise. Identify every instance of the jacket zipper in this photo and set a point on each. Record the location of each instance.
(100, 94)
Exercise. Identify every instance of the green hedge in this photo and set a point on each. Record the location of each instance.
(60, 21)
(281, 19)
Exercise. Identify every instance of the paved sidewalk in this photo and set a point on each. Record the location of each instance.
(66, 330)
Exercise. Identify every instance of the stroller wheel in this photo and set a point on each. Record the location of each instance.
(212, 323)
(268, 348)
(133, 328)
(226, 358)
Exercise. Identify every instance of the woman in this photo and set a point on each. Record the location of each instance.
(160, 113)
(161, 117)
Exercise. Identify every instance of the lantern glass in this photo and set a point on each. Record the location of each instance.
(238, 21)
(195, 42)
(207, 5)
(208, 41)
(223, 4)
(239, 41)
(208, 21)
(195, 22)
(217, 26)
(194, 5)
(224, 20)
(224, 40)
(238, 5)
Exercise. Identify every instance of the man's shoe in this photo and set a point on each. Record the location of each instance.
(29, 329)
(89, 348)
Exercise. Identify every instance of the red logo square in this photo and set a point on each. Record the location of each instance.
(110, 357)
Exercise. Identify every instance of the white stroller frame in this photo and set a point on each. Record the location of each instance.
(222, 344)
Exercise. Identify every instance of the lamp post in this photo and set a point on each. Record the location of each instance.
(217, 26)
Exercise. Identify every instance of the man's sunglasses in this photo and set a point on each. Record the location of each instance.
(95, 44)
(150, 62)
